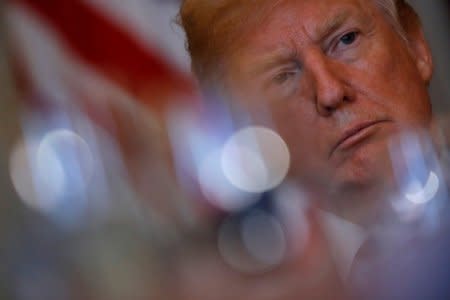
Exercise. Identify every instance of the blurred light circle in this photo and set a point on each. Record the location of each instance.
(44, 172)
(247, 253)
(26, 184)
(66, 160)
(217, 189)
(245, 168)
(264, 238)
(231, 249)
(418, 194)
(52, 178)
(255, 159)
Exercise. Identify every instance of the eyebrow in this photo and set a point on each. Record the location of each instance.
(288, 53)
(280, 56)
(331, 24)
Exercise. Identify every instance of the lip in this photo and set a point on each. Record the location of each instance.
(355, 134)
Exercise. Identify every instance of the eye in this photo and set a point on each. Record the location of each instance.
(285, 75)
(349, 38)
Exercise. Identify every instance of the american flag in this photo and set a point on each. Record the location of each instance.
(116, 65)
(90, 49)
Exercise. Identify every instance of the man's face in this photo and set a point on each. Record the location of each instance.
(338, 83)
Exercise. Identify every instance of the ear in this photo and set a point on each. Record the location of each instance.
(422, 54)
(416, 41)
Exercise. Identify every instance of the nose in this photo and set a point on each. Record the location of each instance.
(331, 91)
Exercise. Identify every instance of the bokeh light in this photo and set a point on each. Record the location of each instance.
(20, 170)
(45, 172)
(420, 194)
(217, 189)
(417, 172)
(69, 152)
(264, 238)
(255, 159)
(253, 243)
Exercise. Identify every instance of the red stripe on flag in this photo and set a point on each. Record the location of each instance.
(112, 51)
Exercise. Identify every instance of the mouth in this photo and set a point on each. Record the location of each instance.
(355, 134)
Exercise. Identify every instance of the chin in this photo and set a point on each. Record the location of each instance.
(364, 162)
(366, 173)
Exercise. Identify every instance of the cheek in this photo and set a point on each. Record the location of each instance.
(298, 127)
(388, 78)
(294, 119)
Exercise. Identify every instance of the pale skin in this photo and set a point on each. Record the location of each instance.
(338, 84)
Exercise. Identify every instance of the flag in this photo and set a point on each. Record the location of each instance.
(116, 65)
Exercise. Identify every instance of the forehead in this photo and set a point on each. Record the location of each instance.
(314, 8)
(292, 23)
(307, 18)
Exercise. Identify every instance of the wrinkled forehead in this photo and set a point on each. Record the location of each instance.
(299, 18)
(290, 23)
(244, 27)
